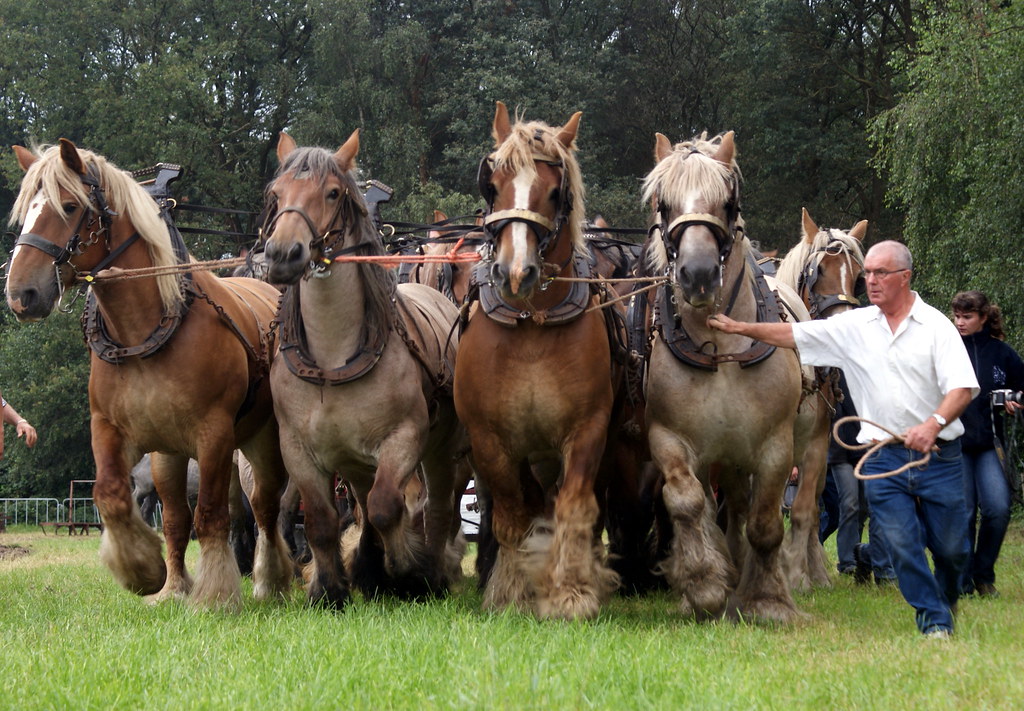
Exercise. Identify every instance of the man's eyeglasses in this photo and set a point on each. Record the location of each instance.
(881, 273)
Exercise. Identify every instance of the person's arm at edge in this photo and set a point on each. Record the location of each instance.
(774, 334)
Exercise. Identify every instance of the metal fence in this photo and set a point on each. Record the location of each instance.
(82, 510)
(33, 510)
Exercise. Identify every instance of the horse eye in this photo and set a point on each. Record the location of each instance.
(334, 194)
(69, 207)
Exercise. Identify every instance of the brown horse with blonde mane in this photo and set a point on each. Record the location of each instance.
(362, 386)
(826, 270)
(716, 403)
(533, 379)
(180, 365)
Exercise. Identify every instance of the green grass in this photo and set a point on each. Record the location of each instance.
(70, 638)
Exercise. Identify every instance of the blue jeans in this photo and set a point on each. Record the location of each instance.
(828, 520)
(853, 509)
(918, 508)
(851, 514)
(986, 492)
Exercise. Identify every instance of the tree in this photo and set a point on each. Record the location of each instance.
(953, 148)
(807, 77)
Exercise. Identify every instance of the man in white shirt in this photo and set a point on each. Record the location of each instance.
(907, 371)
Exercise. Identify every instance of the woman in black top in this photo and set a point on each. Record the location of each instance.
(998, 367)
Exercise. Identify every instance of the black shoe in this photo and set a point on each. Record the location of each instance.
(862, 573)
(986, 590)
(885, 582)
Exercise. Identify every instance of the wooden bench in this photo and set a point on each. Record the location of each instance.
(72, 526)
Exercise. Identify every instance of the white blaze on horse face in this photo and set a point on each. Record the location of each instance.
(35, 210)
(522, 185)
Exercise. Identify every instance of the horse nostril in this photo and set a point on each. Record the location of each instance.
(497, 274)
(295, 253)
(530, 275)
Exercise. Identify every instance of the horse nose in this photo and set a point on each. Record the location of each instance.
(698, 282)
(27, 304)
(524, 279)
(285, 262)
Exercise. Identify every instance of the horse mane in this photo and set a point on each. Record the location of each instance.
(124, 196)
(796, 258)
(379, 283)
(532, 138)
(690, 169)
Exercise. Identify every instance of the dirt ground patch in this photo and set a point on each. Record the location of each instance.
(13, 552)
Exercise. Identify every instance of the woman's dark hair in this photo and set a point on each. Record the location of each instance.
(976, 302)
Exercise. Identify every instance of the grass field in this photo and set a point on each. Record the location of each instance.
(70, 638)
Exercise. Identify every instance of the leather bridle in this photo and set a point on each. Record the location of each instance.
(543, 228)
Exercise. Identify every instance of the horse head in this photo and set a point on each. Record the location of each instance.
(694, 190)
(314, 204)
(831, 264)
(69, 231)
(533, 190)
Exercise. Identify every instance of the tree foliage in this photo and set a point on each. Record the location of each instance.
(953, 148)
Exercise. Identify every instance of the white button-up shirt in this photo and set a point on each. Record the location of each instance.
(896, 379)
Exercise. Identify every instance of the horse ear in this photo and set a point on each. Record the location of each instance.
(25, 157)
(727, 149)
(285, 145)
(860, 230)
(69, 154)
(662, 147)
(810, 229)
(568, 133)
(501, 127)
(439, 216)
(346, 155)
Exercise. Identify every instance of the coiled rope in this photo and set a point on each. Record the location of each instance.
(873, 447)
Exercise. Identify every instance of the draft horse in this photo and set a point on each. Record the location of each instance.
(179, 367)
(716, 402)
(532, 382)
(362, 386)
(826, 270)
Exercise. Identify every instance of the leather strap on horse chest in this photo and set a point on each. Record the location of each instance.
(686, 351)
(499, 310)
(110, 351)
(296, 355)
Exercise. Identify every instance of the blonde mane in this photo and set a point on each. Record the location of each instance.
(124, 196)
(517, 154)
(690, 169)
(796, 258)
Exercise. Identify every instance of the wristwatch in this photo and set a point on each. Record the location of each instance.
(940, 419)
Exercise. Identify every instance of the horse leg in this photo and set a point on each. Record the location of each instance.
(243, 524)
(130, 548)
(413, 569)
(326, 583)
(803, 555)
(511, 518)
(272, 567)
(170, 478)
(696, 567)
(630, 519)
(218, 579)
(440, 520)
(574, 579)
(762, 592)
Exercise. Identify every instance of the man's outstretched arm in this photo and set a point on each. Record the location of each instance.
(775, 334)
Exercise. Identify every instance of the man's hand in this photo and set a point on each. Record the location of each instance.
(921, 438)
(723, 323)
